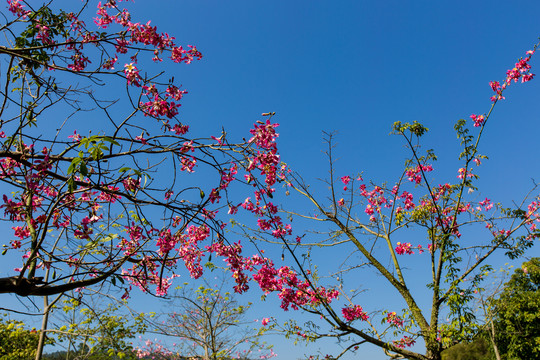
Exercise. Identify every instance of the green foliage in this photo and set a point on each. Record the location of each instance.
(517, 314)
(478, 349)
(84, 354)
(16, 342)
(415, 128)
(100, 333)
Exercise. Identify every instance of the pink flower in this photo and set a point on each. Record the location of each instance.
(405, 341)
(17, 9)
(141, 139)
(405, 248)
(180, 129)
(464, 173)
(345, 180)
(392, 318)
(353, 313)
(487, 204)
(214, 196)
(232, 210)
(415, 174)
(131, 184)
(132, 74)
(478, 120)
(265, 321)
(76, 137)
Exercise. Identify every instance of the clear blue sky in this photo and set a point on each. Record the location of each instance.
(355, 67)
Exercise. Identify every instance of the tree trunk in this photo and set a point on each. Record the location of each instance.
(41, 342)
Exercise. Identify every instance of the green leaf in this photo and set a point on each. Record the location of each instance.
(83, 169)
(71, 185)
(112, 141)
(73, 165)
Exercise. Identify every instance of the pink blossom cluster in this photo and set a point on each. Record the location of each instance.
(17, 9)
(485, 205)
(404, 248)
(43, 34)
(130, 245)
(375, 199)
(345, 180)
(227, 177)
(408, 200)
(478, 120)
(159, 105)
(80, 62)
(180, 129)
(171, 248)
(151, 348)
(274, 223)
(145, 273)
(463, 173)
(352, 313)
(235, 261)
(392, 318)
(110, 195)
(131, 36)
(266, 159)
(445, 217)
(131, 184)
(188, 163)
(143, 34)
(132, 75)
(415, 174)
(521, 70)
(78, 213)
(292, 291)
(189, 250)
(532, 218)
(405, 341)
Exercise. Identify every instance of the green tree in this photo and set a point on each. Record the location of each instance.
(517, 314)
(16, 342)
(478, 349)
(90, 331)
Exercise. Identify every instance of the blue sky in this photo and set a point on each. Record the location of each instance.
(355, 67)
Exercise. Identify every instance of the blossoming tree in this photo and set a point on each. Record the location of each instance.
(101, 189)
(108, 189)
(367, 228)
